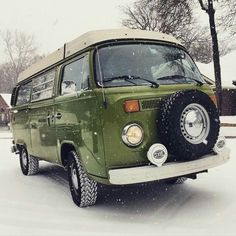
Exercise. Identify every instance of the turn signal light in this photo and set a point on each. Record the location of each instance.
(213, 98)
(131, 106)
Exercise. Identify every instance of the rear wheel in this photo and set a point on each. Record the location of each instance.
(29, 164)
(83, 189)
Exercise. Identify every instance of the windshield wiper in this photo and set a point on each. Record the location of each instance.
(125, 77)
(175, 78)
(200, 83)
(130, 79)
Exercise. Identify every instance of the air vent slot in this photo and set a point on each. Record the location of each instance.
(150, 104)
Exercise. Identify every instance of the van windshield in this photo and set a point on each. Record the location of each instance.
(144, 64)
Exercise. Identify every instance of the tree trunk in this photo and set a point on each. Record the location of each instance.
(216, 55)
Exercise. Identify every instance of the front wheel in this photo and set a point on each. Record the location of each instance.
(83, 189)
(29, 164)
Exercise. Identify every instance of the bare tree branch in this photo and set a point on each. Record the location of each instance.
(203, 6)
(20, 50)
(172, 17)
(227, 20)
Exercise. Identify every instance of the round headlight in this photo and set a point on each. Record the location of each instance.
(132, 135)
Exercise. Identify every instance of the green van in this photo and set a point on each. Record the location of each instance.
(117, 107)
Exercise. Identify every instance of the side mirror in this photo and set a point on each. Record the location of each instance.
(234, 82)
(68, 87)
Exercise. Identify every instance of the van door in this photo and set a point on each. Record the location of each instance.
(76, 113)
(20, 118)
(66, 104)
(41, 114)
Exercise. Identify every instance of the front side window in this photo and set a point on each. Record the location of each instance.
(142, 64)
(75, 76)
(43, 86)
(23, 95)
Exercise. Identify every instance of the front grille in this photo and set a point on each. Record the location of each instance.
(150, 104)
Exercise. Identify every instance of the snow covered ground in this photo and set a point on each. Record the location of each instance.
(42, 205)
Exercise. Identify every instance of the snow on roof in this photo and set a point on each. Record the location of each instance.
(7, 98)
(91, 38)
(228, 63)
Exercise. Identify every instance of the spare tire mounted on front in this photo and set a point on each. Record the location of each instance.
(188, 124)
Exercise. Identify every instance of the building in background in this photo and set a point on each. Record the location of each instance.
(4, 109)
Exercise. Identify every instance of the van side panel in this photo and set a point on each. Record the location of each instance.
(42, 130)
(20, 125)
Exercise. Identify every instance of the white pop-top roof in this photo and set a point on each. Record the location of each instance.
(7, 98)
(89, 39)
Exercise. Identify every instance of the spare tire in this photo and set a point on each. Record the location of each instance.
(188, 124)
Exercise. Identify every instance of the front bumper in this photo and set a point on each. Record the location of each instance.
(168, 170)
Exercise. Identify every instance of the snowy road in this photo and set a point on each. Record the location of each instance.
(42, 205)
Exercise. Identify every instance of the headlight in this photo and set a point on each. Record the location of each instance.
(132, 135)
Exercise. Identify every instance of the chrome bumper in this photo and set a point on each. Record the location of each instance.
(169, 170)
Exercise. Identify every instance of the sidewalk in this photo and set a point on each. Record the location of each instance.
(228, 126)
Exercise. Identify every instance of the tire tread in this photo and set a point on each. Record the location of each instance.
(169, 130)
(33, 165)
(88, 186)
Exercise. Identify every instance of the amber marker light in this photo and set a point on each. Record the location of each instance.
(213, 98)
(131, 106)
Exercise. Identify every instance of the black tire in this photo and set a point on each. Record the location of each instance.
(83, 189)
(179, 180)
(173, 135)
(29, 164)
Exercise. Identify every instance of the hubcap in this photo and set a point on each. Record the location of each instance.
(24, 159)
(74, 178)
(195, 123)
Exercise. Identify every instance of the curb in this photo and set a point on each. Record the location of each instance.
(228, 125)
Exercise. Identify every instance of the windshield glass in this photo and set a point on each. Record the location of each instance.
(144, 64)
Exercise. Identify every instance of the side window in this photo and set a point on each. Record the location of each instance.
(85, 80)
(23, 95)
(75, 76)
(43, 86)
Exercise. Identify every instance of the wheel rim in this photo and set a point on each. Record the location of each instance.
(74, 178)
(195, 123)
(24, 159)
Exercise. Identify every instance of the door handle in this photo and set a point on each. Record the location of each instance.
(49, 119)
(58, 115)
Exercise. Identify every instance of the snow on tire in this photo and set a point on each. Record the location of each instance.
(83, 189)
(29, 164)
(188, 124)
